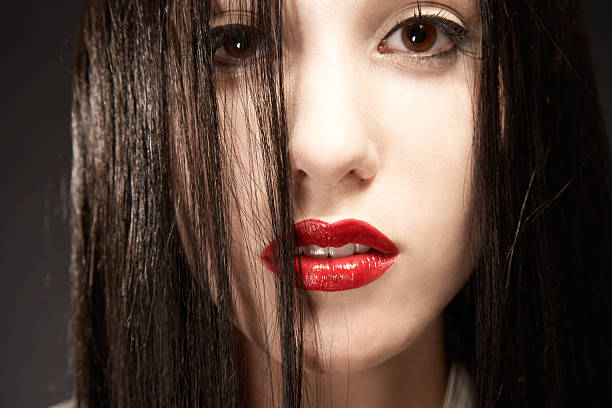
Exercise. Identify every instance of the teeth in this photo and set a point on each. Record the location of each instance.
(345, 250)
(361, 249)
(315, 251)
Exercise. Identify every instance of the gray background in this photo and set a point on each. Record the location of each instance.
(37, 42)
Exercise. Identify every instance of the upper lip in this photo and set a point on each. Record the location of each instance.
(340, 233)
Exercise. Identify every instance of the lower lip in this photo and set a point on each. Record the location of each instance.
(332, 275)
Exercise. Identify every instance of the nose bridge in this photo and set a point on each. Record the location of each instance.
(329, 139)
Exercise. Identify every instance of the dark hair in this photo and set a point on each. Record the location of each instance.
(531, 323)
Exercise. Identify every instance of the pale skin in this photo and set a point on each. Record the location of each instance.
(382, 135)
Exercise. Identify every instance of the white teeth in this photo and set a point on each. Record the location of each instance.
(361, 249)
(315, 251)
(345, 250)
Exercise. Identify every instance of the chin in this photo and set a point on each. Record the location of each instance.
(343, 357)
(348, 346)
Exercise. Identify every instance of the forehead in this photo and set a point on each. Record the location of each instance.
(347, 8)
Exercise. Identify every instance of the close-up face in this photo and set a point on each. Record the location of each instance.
(380, 113)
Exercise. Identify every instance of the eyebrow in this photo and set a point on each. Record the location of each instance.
(463, 7)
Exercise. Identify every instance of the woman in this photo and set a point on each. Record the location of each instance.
(313, 203)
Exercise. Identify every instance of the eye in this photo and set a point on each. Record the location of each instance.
(234, 44)
(421, 38)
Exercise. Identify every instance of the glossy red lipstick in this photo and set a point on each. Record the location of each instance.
(343, 273)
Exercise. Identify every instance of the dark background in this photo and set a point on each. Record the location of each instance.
(37, 41)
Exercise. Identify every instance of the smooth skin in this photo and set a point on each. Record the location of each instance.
(378, 134)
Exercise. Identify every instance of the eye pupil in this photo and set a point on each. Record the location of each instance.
(241, 44)
(419, 37)
(418, 34)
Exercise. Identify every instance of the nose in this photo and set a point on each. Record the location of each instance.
(331, 137)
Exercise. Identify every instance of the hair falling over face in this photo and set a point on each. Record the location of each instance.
(155, 198)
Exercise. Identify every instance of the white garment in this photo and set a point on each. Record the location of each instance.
(459, 392)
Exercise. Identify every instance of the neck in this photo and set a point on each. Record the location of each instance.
(416, 377)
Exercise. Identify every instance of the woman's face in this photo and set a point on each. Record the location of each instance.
(380, 104)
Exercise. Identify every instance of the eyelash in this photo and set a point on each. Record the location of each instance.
(456, 33)
(221, 34)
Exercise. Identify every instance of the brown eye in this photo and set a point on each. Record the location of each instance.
(422, 38)
(419, 37)
(241, 44)
(236, 43)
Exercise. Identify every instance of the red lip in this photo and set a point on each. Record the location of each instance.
(344, 273)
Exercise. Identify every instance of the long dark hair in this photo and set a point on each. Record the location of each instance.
(152, 321)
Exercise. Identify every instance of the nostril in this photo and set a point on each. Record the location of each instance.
(326, 162)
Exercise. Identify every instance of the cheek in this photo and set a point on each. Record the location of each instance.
(428, 144)
(427, 132)
(253, 286)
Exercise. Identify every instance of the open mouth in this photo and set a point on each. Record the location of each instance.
(315, 251)
(344, 255)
